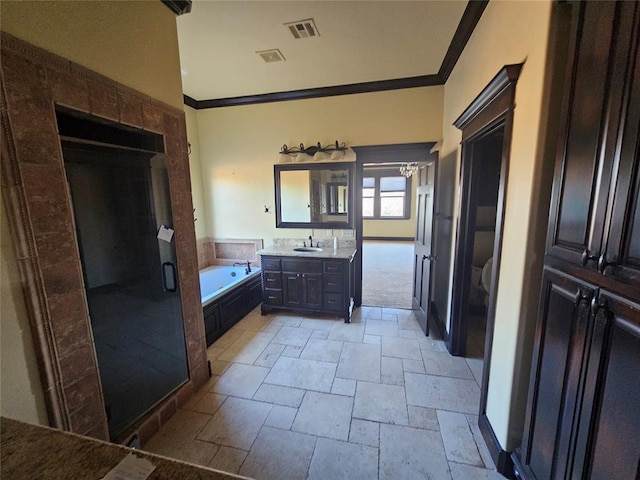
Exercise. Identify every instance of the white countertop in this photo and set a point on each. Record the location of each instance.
(288, 251)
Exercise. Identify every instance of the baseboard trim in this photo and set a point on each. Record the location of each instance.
(391, 239)
(439, 323)
(502, 458)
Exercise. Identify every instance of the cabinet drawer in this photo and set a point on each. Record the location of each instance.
(302, 266)
(272, 297)
(272, 280)
(270, 264)
(333, 267)
(333, 282)
(334, 301)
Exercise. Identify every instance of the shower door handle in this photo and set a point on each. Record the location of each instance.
(169, 277)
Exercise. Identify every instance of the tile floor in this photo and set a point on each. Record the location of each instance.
(295, 397)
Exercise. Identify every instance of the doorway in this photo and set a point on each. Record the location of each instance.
(379, 183)
(486, 127)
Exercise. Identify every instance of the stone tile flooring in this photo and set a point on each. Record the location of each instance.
(295, 397)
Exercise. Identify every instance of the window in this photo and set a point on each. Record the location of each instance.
(385, 194)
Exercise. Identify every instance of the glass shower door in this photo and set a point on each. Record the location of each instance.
(121, 202)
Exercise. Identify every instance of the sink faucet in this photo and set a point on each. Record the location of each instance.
(247, 270)
(310, 241)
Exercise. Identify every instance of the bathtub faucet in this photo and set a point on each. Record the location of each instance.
(247, 263)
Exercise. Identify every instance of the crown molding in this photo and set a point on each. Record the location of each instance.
(178, 6)
(470, 18)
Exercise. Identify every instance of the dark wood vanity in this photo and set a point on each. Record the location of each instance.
(305, 283)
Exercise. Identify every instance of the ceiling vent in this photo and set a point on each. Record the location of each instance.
(303, 28)
(273, 55)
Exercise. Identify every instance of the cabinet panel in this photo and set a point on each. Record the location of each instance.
(622, 258)
(292, 289)
(616, 449)
(301, 266)
(272, 279)
(270, 264)
(333, 267)
(312, 290)
(560, 342)
(581, 182)
(333, 283)
(333, 301)
(272, 297)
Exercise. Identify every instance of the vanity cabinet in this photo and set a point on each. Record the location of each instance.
(307, 284)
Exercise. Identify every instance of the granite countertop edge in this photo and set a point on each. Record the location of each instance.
(288, 251)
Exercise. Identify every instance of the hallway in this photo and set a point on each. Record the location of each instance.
(296, 397)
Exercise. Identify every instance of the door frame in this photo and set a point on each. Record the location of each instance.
(400, 152)
(492, 109)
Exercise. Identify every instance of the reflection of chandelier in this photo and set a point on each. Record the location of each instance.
(408, 169)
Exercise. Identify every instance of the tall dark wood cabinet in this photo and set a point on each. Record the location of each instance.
(583, 411)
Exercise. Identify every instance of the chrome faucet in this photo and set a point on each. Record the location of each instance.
(247, 270)
(310, 241)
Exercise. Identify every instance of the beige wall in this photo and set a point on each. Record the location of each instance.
(197, 193)
(21, 394)
(134, 43)
(239, 146)
(508, 33)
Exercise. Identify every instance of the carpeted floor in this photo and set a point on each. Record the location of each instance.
(387, 273)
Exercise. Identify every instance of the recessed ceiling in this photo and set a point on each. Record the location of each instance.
(357, 41)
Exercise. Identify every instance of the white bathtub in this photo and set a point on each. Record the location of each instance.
(218, 279)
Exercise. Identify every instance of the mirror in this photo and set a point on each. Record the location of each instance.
(314, 195)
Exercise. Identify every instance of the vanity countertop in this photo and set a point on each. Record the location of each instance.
(31, 451)
(288, 251)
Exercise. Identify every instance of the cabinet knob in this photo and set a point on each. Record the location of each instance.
(603, 264)
(586, 256)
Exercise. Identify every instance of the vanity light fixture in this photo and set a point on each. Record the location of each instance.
(408, 169)
(318, 152)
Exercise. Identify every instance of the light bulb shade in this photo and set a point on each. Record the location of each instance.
(304, 157)
(337, 155)
(284, 158)
(319, 156)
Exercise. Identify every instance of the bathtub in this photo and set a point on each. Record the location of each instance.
(228, 294)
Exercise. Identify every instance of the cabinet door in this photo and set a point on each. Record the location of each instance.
(622, 258)
(556, 371)
(583, 170)
(312, 290)
(612, 439)
(292, 289)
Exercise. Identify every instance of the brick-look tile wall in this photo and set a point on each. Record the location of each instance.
(38, 207)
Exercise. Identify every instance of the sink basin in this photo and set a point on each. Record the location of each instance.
(307, 249)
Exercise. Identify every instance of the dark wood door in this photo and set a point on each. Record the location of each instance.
(312, 290)
(423, 254)
(292, 291)
(583, 174)
(615, 445)
(622, 256)
(562, 329)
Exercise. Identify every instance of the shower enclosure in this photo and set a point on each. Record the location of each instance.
(119, 190)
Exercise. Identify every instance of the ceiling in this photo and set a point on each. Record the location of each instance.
(357, 41)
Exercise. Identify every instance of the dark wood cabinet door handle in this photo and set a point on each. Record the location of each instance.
(603, 263)
(586, 256)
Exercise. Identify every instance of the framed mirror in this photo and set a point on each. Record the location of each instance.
(314, 195)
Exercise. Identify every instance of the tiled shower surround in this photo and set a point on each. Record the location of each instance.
(37, 201)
